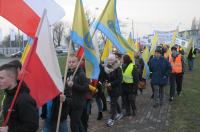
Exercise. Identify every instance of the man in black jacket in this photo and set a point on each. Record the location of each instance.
(24, 116)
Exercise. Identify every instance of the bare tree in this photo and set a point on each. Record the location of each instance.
(6, 41)
(58, 32)
(90, 18)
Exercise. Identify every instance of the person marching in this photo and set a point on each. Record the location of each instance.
(25, 105)
(77, 87)
(129, 85)
(113, 85)
(139, 63)
(160, 69)
(176, 77)
(191, 57)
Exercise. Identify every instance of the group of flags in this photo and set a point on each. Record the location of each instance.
(34, 17)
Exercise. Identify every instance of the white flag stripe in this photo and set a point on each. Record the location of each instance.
(54, 11)
(47, 54)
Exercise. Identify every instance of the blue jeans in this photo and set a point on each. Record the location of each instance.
(50, 127)
(158, 94)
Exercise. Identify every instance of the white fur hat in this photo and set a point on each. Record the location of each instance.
(111, 57)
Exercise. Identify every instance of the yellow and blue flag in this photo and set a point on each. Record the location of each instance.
(130, 40)
(137, 46)
(80, 35)
(171, 45)
(190, 46)
(107, 50)
(145, 57)
(153, 45)
(109, 25)
(128, 49)
(26, 50)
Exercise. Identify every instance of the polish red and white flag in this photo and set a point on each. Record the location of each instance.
(41, 71)
(26, 14)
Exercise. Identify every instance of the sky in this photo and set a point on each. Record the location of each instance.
(146, 15)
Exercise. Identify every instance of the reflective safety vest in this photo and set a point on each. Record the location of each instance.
(127, 74)
(193, 55)
(177, 64)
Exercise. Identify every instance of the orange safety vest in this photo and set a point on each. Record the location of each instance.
(177, 64)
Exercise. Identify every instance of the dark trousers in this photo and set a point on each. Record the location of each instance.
(152, 90)
(75, 119)
(101, 99)
(190, 64)
(129, 100)
(175, 83)
(115, 108)
(85, 114)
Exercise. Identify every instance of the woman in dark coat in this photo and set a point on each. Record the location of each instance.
(113, 85)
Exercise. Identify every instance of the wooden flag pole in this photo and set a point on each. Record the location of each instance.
(66, 70)
(65, 78)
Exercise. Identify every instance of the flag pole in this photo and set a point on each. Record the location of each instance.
(23, 73)
(65, 77)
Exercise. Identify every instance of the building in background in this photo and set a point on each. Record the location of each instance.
(194, 34)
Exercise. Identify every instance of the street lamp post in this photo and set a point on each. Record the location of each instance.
(131, 26)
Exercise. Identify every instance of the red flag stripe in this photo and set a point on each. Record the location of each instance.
(21, 15)
(47, 90)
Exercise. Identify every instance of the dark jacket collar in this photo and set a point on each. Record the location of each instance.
(13, 91)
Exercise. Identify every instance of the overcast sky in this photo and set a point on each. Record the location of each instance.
(147, 15)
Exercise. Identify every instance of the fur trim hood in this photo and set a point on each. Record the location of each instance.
(110, 68)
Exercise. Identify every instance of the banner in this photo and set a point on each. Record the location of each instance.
(165, 37)
(182, 42)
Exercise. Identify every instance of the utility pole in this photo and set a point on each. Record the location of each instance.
(19, 41)
(132, 30)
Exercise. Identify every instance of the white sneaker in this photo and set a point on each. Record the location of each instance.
(118, 116)
(110, 122)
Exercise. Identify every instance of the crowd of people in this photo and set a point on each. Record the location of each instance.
(120, 77)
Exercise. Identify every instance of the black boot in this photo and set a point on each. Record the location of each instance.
(100, 116)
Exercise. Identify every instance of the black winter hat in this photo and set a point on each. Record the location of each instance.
(174, 48)
(159, 49)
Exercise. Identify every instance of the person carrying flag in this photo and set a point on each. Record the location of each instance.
(77, 87)
(25, 105)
